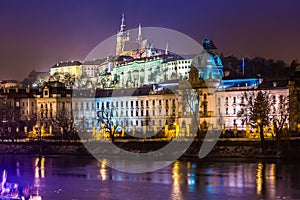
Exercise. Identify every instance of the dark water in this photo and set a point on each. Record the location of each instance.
(77, 177)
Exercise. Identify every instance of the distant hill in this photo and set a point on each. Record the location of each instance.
(267, 68)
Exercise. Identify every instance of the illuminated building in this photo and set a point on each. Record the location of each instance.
(122, 37)
(73, 68)
(294, 91)
(17, 110)
(9, 84)
(52, 99)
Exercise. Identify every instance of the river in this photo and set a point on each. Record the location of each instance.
(84, 178)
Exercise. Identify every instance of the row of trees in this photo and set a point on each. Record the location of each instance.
(267, 68)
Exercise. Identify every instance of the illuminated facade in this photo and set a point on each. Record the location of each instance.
(73, 68)
(51, 100)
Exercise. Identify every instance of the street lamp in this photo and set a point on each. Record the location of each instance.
(38, 131)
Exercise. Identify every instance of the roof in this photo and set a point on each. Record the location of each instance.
(142, 91)
(18, 93)
(240, 82)
(274, 84)
(68, 63)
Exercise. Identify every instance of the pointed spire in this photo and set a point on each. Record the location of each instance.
(122, 28)
(243, 66)
(167, 48)
(139, 38)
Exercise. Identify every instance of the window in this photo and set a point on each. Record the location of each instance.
(226, 111)
(219, 101)
(234, 111)
(153, 102)
(136, 103)
(205, 96)
(205, 109)
(63, 105)
(226, 100)
(234, 99)
(147, 103)
(243, 99)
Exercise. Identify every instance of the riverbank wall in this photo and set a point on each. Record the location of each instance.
(224, 148)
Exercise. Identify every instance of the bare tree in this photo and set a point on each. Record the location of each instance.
(65, 121)
(105, 116)
(280, 115)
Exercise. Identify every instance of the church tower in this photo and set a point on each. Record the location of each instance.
(122, 37)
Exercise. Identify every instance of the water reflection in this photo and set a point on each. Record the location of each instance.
(39, 170)
(103, 171)
(177, 178)
(85, 178)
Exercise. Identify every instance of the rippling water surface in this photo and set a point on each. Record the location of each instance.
(84, 178)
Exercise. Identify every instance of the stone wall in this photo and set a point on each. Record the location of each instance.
(223, 148)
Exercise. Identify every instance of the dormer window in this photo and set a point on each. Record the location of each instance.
(46, 92)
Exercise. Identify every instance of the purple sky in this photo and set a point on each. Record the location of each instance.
(36, 34)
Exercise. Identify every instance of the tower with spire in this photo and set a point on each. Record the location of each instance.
(139, 38)
(122, 37)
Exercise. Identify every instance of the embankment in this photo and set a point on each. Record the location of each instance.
(225, 148)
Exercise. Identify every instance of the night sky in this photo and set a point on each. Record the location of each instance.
(37, 34)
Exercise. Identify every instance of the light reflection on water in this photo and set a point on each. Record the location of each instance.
(73, 177)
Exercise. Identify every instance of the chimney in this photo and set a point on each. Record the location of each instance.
(28, 89)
